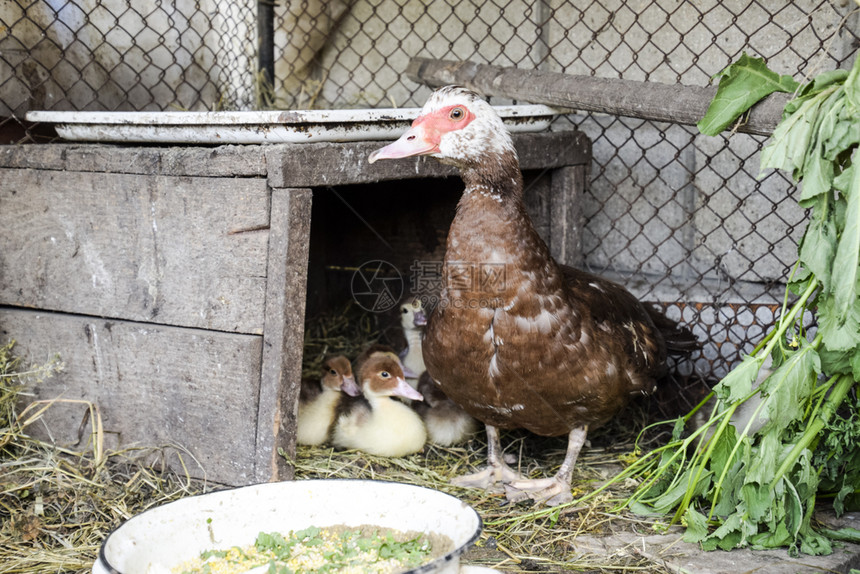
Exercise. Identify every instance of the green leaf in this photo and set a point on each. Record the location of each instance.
(852, 84)
(697, 526)
(793, 510)
(742, 84)
(737, 385)
(817, 170)
(727, 536)
(789, 143)
(787, 389)
(837, 132)
(758, 499)
(672, 497)
(726, 441)
(822, 81)
(640, 509)
(835, 362)
(818, 246)
(763, 467)
(843, 183)
(839, 332)
(847, 260)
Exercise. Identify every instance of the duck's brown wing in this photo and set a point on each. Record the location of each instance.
(647, 334)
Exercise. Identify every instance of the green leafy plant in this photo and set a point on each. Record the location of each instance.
(745, 487)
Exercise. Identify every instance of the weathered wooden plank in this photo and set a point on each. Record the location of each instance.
(322, 164)
(289, 242)
(222, 161)
(170, 250)
(288, 165)
(567, 219)
(645, 100)
(537, 198)
(154, 386)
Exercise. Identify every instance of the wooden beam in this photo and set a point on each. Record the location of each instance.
(280, 382)
(322, 164)
(221, 161)
(644, 100)
(567, 219)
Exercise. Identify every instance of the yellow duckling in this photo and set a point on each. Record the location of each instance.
(374, 422)
(318, 400)
(446, 421)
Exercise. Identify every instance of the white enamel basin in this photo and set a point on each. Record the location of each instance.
(158, 539)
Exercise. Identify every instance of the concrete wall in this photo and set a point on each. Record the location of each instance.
(107, 54)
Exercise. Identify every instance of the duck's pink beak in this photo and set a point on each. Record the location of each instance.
(416, 141)
(405, 390)
(349, 386)
(419, 319)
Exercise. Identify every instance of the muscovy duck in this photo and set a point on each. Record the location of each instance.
(548, 348)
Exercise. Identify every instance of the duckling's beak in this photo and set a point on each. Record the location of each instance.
(416, 141)
(349, 386)
(419, 319)
(405, 390)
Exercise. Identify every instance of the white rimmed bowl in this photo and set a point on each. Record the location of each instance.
(161, 538)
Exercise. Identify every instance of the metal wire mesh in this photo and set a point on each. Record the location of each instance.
(680, 218)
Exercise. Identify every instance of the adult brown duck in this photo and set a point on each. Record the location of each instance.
(517, 339)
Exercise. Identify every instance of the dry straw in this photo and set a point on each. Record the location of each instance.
(57, 504)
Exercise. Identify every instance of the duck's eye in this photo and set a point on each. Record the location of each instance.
(405, 310)
(385, 374)
(457, 114)
(332, 372)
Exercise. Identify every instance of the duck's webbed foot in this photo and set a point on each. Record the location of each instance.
(493, 478)
(496, 474)
(550, 491)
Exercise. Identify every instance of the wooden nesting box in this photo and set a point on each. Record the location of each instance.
(172, 281)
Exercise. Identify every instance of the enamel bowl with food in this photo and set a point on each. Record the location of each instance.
(159, 540)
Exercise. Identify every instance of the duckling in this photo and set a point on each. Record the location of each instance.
(446, 421)
(413, 319)
(378, 349)
(318, 400)
(374, 422)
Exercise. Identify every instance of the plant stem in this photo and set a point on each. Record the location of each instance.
(835, 399)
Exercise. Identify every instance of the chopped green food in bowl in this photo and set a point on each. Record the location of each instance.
(336, 549)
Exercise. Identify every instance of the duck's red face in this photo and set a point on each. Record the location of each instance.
(426, 133)
(455, 126)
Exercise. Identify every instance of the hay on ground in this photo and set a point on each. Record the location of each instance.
(57, 505)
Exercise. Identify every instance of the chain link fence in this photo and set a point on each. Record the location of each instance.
(680, 218)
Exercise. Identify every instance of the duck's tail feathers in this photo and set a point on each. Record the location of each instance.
(679, 339)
